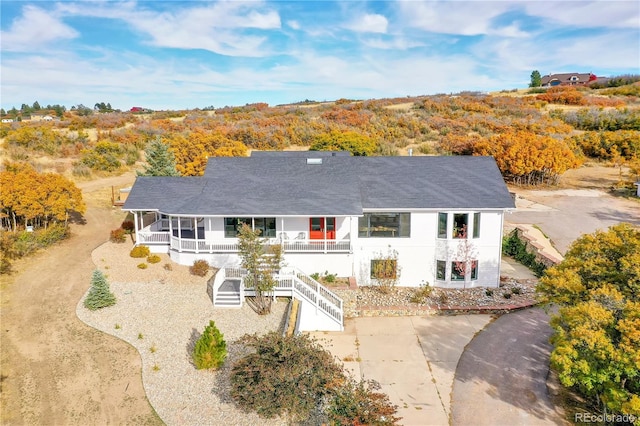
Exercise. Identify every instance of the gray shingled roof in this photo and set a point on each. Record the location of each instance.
(281, 185)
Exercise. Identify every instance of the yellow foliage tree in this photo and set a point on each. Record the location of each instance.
(193, 150)
(529, 158)
(37, 198)
(597, 328)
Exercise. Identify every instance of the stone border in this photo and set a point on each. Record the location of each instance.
(537, 243)
(381, 311)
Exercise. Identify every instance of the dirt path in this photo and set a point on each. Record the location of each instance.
(55, 369)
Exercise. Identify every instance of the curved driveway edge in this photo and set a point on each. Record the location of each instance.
(501, 378)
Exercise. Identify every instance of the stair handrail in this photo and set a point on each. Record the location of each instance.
(332, 298)
(323, 294)
(221, 276)
(327, 301)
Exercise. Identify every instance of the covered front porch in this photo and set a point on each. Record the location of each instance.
(219, 234)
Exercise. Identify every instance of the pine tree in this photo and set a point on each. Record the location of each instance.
(161, 161)
(536, 79)
(210, 350)
(99, 295)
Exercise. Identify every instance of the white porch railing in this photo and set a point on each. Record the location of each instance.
(158, 233)
(300, 246)
(292, 282)
(153, 237)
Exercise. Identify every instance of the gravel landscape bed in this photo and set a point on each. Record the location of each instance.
(368, 301)
(161, 311)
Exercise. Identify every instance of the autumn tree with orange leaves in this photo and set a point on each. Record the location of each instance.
(529, 159)
(37, 199)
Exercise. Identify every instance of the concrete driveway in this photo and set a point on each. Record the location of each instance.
(564, 215)
(501, 378)
(413, 358)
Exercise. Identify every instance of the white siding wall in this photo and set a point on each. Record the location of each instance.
(417, 255)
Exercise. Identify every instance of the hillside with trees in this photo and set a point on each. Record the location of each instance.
(534, 136)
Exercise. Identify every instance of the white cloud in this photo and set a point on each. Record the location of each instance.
(550, 55)
(453, 17)
(217, 27)
(369, 23)
(35, 29)
(293, 24)
(588, 14)
(395, 43)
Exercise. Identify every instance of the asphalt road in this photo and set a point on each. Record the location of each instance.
(565, 215)
(501, 378)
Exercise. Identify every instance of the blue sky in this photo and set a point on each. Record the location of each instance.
(193, 54)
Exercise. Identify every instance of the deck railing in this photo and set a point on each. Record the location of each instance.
(202, 246)
(153, 237)
(293, 282)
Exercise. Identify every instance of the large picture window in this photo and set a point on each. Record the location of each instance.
(267, 226)
(385, 225)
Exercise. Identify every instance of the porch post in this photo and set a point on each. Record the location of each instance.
(195, 223)
(324, 233)
(179, 235)
(135, 224)
(282, 234)
(170, 230)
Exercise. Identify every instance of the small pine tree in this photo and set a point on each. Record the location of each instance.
(99, 295)
(210, 350)
(161, 160)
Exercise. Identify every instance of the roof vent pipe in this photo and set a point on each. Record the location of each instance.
(410, 152)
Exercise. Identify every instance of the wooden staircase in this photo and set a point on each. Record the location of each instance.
(228, 294)
(321, 308)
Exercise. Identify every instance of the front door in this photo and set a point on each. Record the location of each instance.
(318, 226)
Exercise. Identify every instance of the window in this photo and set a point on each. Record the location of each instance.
(460, 225)
(474, 269)
(384, 225)
(384, 268)
(233, 224)
(441, 270)
(457, 271)
(442, 225)
(267, 226)
(476, 225)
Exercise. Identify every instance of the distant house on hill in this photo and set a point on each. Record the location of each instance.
(39, 116)
(139, 110)
(568, 79)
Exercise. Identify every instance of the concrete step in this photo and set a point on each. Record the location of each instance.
(228, 298)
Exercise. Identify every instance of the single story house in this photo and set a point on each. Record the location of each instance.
(567, 79)
(433, 220)
(336, 213)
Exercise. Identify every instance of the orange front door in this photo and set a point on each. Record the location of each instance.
(319, 226)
